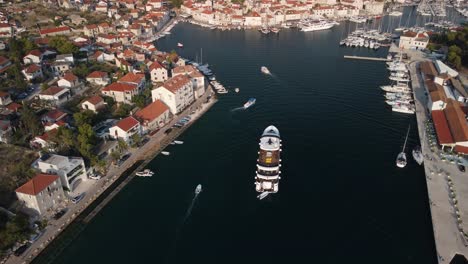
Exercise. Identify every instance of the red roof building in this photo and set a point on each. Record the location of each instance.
(37, 184)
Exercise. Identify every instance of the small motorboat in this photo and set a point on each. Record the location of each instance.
(198, 189)
(166, 153)
(265, 70)
(178, 142)
(417, 155)
(145, 173)
(180, 45)
(249, 103)
(263, 195)
(275, 30)
(236, 90)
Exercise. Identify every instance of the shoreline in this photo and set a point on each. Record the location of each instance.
(111, 186)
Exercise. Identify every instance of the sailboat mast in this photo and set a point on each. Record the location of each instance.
(406, 139)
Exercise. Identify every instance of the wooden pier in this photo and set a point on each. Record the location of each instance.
(365, 58)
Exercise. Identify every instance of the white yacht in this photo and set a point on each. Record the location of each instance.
(417, 155)
(316, 26)
(401, 158)
(268, 162)
(395, 13)
(178, 142)
(166, 153)
(404, 108)
(396, 88)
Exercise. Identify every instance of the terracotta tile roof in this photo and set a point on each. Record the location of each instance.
(127, 123)
(90, 27)
(94, 100)
(436, 92)
(97, 74)
(70, 77)
(175, 83)
(410, 34)
(54, 30)
(3, 60)
(461, 149)
(37, 184)
(132, 78)
(155, 65)
(183, 69)
(55, 114)
(52, 90)
(428, 68)
(14, 107)
(442, 129)
(120, 87)
(32, 68)
(456, 121)
(152, 111)
(35, 52)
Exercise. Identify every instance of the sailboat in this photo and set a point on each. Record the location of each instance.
(401, 158)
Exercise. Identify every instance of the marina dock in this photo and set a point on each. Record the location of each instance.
(365, 58)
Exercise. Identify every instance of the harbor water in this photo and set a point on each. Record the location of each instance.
(341, 198)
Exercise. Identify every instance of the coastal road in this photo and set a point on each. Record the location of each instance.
(448, 239)
(55, 227)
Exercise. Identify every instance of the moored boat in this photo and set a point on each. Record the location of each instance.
(417, 155)
(268, 162)
(198, 189)
(145, 173)
(180, 45)
(166, 153)
(401, 158)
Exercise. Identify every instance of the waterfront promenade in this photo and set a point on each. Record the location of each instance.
(148, 151)
(441, 175)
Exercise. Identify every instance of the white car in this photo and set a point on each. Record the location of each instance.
(95, 177)
(78, 198)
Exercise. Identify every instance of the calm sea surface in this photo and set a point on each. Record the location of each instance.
(341, 199)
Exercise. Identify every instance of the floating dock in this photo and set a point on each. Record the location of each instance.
(365, 58)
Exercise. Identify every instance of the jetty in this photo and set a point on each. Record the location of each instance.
(365, 58)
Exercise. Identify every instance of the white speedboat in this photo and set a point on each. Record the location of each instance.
(265, 70)
(178, 142)
(417, 155)
(395, 13)
(263, 195)
(180, 45)
(166, 153)
(145, 173)
(249, 103)
(237, 90)
(401, 158)
(198, 189)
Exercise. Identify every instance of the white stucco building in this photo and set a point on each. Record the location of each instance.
(71, 170)
(176, 93)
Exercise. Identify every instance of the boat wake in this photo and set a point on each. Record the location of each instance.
(189, 210)
(237, 109)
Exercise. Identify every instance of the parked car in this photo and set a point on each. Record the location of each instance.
(59, 214)
(95, 177)
(123, 159)
(461, 168)
(78, 198)
(168, 131)
(144, 141)
(21, 249)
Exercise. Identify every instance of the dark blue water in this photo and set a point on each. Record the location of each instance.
(341, 199)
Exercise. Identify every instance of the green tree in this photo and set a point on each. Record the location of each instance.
(139, 100)
(115, 155)
(136, 139)
(28, 45)
(44, 86)
(122, 145)
(86, 140)
(30, 122)
(64, 139)
(455, 49)
(123, 110)
(84, 117)
(177, 3)
(81, 70)
(62, 45)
